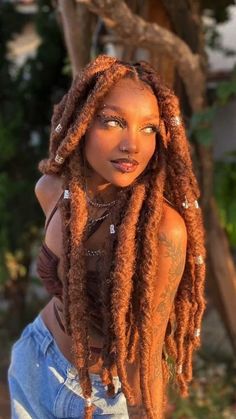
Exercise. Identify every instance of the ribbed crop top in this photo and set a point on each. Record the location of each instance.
(46, 266)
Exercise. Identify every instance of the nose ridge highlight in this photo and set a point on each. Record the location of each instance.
(129, 144)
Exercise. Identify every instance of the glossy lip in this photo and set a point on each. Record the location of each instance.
(125, 160)
(125, 165)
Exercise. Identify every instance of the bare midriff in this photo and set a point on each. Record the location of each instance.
(64, 341)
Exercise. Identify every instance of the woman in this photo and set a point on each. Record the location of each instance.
(123, 255)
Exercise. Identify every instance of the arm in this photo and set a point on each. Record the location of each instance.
(172, 253)
(172, 256)
(47, 190)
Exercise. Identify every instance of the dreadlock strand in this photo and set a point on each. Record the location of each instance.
(122, 280)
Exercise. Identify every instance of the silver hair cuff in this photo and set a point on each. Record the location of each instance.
(180, 369)
(175, 121)
(58, 128)
(186, 203)
(59, 159)
(66, 194)
(197, 333)
(199, 260)
(88, 402)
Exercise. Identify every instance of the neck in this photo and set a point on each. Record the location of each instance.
(103, 192)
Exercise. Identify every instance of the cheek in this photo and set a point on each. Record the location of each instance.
(149, 148)
(94, 146)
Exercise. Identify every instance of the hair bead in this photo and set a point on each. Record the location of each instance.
(59, 159)
(66, 194)
(186, 204)
(180, 369)
(112, 229)
(58, 128)
(175, 121)
(197, 333)
(199, 260)
(88, 402)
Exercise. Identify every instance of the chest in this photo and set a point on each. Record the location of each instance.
(99, 236)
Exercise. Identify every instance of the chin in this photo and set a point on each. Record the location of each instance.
(123, 182)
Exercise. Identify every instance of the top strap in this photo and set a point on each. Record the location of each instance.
(53, 212)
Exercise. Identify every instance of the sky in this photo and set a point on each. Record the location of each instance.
(217, 60)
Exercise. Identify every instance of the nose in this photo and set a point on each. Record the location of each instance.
(129, 143)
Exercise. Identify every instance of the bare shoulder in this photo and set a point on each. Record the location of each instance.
(173, 225)
(48, 190)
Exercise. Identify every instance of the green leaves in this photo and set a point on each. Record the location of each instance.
(201, 126)
(225, 91)
(225, 193)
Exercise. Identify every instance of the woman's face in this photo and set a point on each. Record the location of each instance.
(122, 136)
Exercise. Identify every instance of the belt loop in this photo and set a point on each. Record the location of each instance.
(45, 344)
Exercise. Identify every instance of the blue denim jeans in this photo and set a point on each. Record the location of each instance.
(44, 385)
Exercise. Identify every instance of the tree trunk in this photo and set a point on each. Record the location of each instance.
(77, 24)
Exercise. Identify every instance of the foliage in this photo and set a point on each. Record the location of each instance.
(200, 127)
(212, 394)
(27, 95)
(225, 193)
(200, 130)
(218, 8)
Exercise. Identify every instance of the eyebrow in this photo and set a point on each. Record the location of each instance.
(118, 109)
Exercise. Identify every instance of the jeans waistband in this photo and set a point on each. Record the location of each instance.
(45, 339)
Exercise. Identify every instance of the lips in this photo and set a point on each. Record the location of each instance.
(125, 165)
(123, 160)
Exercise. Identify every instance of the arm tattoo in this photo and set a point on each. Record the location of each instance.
(173, 251)
(156, 366)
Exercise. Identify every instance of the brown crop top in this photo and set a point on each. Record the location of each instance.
(46, 266)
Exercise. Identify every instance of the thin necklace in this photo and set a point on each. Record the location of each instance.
(99, 252)
(100, 204)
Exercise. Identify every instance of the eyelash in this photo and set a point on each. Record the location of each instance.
(122, 122)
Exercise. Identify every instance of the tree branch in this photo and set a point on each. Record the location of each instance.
(136, 31)
(77, 31)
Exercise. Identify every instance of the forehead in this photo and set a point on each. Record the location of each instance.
(130, 94)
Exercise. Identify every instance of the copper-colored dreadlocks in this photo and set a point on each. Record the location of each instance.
(128, 302)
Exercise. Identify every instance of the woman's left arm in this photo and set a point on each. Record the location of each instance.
(172, 238)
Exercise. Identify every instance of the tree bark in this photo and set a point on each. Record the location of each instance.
(222, 267)
(136, 31)
(77, 27)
